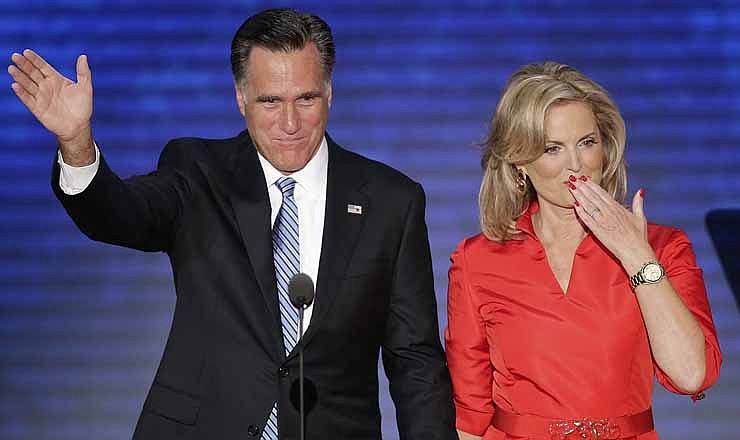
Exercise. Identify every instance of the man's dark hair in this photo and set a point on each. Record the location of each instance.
(285, 30)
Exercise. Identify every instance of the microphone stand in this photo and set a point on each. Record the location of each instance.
(301, 292)
(300, 370)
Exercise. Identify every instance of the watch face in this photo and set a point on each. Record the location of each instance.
(652, 272)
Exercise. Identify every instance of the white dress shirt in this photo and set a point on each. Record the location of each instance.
(310, 197)
(309, 194)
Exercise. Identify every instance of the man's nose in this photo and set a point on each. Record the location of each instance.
(290, 121)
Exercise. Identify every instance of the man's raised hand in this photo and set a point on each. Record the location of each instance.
(63, 106)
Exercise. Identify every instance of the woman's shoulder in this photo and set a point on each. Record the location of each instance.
(476, 246)
(662, 236)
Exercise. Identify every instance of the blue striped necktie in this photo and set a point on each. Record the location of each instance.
(285, 251)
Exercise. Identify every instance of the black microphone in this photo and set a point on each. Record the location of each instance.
(300, 290)
(301, 293)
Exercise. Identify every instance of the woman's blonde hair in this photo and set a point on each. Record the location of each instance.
(517, 137)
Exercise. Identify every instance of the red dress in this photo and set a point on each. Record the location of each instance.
(514, 339)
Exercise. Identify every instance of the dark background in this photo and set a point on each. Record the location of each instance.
(83, 325)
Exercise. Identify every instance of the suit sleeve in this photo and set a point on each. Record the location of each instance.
(687, 280)
(467, 352)
(412, 354)
(140, 212)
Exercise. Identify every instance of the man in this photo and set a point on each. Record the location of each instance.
(238, 218)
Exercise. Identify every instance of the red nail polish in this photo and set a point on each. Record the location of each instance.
(584, 178)
(571, 186)
(642, 192)
(572, 178)
(577, 204)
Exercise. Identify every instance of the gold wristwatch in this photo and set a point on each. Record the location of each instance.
(650, 273)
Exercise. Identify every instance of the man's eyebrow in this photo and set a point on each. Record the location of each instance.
(311, 94)
(268, 98)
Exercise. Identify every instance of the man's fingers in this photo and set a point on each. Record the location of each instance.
(25, 97)
(40, 63)
(21, 78)
(83, 70)
(26, 66)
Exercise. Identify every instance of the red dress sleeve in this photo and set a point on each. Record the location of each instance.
(467, 352)
(687, 280)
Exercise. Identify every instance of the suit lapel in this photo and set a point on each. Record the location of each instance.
(251, 205)
(342, 229)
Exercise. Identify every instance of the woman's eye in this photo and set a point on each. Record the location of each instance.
(589, 142)
(552, 149)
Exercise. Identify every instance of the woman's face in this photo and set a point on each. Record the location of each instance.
(573, 147)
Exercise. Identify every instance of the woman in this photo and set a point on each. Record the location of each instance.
(562, 311)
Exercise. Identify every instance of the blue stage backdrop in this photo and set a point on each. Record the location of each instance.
(83, 325)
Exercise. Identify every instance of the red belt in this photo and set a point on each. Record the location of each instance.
(525, 425)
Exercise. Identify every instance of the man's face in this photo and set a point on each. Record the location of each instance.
(286, 105)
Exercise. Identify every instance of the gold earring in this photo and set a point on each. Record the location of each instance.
(521, 181)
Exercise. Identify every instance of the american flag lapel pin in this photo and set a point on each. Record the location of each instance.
(354, 209)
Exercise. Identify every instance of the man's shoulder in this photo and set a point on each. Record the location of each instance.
(197, 147)
(378, 176)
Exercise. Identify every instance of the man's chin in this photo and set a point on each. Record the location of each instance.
(291, 166)
(290, 163)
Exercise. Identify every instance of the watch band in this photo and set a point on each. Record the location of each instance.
(637, 279)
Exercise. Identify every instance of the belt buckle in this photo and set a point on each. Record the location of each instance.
(584, 428)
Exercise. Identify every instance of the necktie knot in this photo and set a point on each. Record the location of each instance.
(286, 185)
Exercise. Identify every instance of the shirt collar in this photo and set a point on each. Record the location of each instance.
(311, 178)
(524, 222)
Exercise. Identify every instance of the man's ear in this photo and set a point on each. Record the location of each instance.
(240, 99)
(328, 94)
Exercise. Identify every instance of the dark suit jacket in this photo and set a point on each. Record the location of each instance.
(224, 364)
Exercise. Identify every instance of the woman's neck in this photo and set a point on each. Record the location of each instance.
(554, 223)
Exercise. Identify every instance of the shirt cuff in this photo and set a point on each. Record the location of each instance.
(73, 180)
(472, 421)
